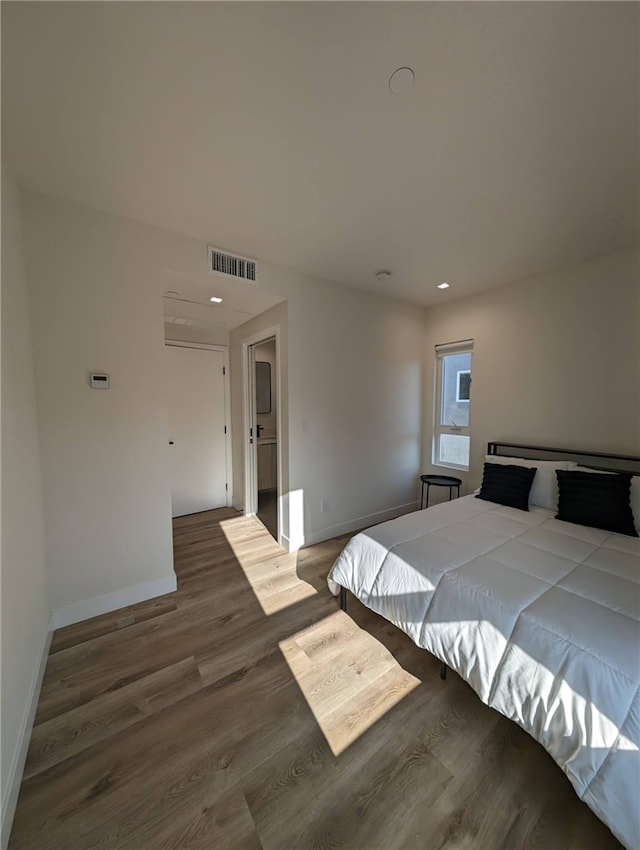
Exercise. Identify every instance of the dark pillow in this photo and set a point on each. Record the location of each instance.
(599, 501)
(507, 485)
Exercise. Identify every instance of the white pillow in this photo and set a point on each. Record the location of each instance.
(544, 490)
(635, 489)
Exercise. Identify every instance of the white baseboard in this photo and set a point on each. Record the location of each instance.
(96, 605)
(353, 525)
(289, 545)
(237, 505)
(10, 798)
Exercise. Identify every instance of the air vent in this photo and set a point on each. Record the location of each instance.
(231, 265)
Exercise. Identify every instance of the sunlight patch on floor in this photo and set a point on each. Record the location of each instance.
(269, 570)
(349, 679)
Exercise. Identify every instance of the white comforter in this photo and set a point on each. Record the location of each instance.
(541, 617)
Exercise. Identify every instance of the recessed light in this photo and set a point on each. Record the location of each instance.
(384, 274)
(216, 299)
(443, 286)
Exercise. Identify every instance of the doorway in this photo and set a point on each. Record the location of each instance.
(197, 395)
(262, 430)
(267, 434)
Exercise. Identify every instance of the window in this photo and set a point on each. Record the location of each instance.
(452, 402)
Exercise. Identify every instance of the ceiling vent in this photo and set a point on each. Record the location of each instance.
(232, 265)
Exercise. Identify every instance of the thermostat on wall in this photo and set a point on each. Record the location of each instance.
(99, 381)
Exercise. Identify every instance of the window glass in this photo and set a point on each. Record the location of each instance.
(454, 449)
(452, 403)
(452, 408)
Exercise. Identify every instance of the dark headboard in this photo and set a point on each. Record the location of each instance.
(595, 460)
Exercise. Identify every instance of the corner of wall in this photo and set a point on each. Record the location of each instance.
(25, 616)
(11, 788)
(97, 605)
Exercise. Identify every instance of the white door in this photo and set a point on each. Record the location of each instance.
(197, 441)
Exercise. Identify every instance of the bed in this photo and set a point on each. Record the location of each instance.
(540, 616)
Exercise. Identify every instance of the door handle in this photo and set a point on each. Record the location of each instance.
(170, 442)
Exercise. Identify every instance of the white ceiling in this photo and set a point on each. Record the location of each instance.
(269, 129)
(191, 306)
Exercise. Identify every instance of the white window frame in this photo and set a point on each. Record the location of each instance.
(442, 351)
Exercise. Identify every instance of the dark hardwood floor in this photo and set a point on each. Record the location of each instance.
(268, 511)
(246, 711)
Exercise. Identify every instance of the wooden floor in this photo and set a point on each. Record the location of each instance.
(268, 511)
(246, 711)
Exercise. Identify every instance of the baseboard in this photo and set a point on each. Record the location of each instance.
(354, 525)
(96, 605)
(237, 505)
(16, 769)
(289, 545)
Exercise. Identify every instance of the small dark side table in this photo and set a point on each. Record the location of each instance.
(439, 481)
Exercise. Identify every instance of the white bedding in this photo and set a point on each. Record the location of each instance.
(541, 617)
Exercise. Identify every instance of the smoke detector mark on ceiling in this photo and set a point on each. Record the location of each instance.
(401, 80)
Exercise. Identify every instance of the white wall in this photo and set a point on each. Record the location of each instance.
(355, 372)
(353, 407)
(96, 282)
(25, 606)
(556, 360)
(96, 305)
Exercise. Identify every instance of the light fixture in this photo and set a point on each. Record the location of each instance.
(172, 293)
(383, 274)
(216, 299)
(443, 286)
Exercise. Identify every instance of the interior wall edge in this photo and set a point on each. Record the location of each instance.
(16, 770)
(25, 592)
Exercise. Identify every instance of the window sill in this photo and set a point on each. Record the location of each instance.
(457, 467)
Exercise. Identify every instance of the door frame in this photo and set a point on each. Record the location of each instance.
(228, 466)
(250, 444)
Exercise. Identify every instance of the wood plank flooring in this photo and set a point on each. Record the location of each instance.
(246, 711)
